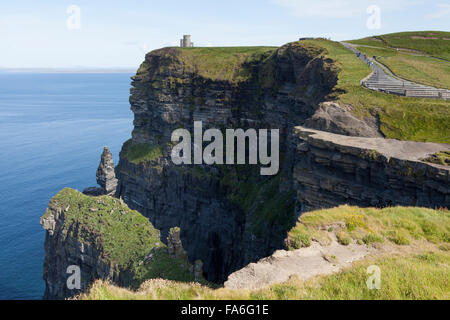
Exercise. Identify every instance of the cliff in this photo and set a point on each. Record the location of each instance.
(230, 215)
(106, 240)
(226, 213)
(332, 169)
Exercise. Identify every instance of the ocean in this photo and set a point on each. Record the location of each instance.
(53, 128)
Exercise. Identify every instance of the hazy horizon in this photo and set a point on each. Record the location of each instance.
(83, 34)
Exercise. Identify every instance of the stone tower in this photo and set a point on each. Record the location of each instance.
(186, 41)
(106, 177)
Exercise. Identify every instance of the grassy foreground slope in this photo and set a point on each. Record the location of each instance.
(402, 118)
(399, 225)
(419, 273)
(425, 64)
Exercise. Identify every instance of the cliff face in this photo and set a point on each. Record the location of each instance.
(331, 170)
(106, 240)
(230, 215)
(225, 213)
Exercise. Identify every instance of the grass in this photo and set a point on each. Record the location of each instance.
(399, 225)
(400, 118)
(139, 153)
(224, 63)
(403, 118)
(442, 158)
(417, 68)
(343, 238)
(414, 277)
(434, 43)
(123, 236)
(372, 238)
(421, 275)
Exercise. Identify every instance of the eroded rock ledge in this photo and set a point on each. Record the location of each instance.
(106, 240)
(332, 169)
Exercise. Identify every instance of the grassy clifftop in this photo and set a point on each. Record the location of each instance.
(400, 118)
(434, 43)
(418, 271)
(423, 57)
(211, 63)
(225, 63)
(123, 237)
(399, 225)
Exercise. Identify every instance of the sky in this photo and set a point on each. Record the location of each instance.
(111, 34)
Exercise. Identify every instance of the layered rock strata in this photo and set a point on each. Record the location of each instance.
(226, 217)
(91, 238)
(332, 169)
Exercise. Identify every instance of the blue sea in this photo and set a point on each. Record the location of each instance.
(53, 128)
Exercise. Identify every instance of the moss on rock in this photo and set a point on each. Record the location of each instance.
(110, 234)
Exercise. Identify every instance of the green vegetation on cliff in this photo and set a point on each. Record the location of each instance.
(442, 158)
(434, 43)
(412, 277)
(420, 273)
(125, 238)
(142, 152)
(260, 199)
(224, 63)
(401, 118)
(399, 225)
(422, 57)
(413, 67)
(124, 235)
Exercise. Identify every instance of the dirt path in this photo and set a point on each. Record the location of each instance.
(306, 263)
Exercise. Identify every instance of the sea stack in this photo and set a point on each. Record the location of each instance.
(106, 177)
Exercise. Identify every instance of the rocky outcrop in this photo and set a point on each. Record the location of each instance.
(305, 263)
(106, 176)
(64, 247)
(174, 245)
(332, 169)
(101, 238)
(332, 117)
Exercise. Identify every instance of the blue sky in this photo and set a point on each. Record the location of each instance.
(34, 34)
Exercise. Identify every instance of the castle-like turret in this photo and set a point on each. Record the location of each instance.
(186, 41)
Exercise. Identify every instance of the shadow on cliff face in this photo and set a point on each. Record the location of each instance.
(214, 242)
(229, 215)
